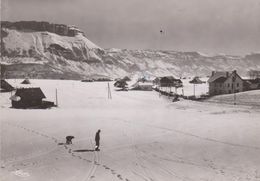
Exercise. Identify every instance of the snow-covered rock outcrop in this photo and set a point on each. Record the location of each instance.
(44, 50)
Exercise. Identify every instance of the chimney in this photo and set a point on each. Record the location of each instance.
(213, 72)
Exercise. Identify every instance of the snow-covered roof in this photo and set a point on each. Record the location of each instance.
(217, 75)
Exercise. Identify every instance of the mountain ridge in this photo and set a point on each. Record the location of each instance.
(53, 51)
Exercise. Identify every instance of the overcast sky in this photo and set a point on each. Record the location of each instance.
(209, 26)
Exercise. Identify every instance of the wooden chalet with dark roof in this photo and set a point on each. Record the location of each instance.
(30, 98)
(169, 81)
(5, 86)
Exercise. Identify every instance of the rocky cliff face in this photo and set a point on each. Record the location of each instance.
(29, 26)
(44, 50)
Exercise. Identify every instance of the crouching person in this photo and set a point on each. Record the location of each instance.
(69, 139)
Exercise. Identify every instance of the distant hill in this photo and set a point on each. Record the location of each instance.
(54, 51)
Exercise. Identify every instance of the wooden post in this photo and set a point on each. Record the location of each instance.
(194, 90)
(109, 91)
(56, 95)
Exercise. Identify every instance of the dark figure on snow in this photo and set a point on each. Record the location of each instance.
(97, 139)
(69, 139)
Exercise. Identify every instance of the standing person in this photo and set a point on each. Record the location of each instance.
(97, 139)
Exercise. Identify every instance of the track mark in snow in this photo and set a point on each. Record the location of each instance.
(92, 171)
(205, 138)
(95, 162)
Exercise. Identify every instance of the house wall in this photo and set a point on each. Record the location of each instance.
(25, 103)
(144, 87)
(231, 87)
(215, 88)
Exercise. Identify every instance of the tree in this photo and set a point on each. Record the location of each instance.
(253, 74)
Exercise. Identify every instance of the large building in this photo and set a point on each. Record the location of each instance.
(225, 83)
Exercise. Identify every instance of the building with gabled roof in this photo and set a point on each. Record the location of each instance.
(196, 80)
(170, 81)
(145, 86)
(26, 81)
(225, 83)
(5, 86)
(27, 98)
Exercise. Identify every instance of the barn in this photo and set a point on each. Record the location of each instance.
(29, 98)
(5, 86)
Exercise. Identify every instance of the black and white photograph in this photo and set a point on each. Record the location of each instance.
(130, 90)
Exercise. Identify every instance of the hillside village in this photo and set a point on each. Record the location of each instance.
(218, 83)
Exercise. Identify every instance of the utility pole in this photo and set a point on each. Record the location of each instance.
(235, 97)
(234, 90)
(109, 95)
(56, 95)
(1, 48)
(194, 90)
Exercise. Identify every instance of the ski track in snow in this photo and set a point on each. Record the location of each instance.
(206, 139)
(143, 156)
(147, 174)
(95, 161)
(199, 137)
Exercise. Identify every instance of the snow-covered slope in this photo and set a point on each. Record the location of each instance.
(35, 49)
(144, 137)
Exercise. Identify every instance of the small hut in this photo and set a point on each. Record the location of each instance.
(121, 84)
(26, 81)
(170, 81)
(5, 86)
(87, 80)
(29, 98)
(144, 86)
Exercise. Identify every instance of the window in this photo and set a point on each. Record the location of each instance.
(237, 84)
(228, 85)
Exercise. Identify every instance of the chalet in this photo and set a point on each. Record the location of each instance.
(29, 98)
(156, 81)
(5, 86)
(120, 84)
(225, 83)
(144, 86)
(196, 80)
(170, 81)
(26, 81)
(87, 80)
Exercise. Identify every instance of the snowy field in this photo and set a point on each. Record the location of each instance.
(144, 137)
